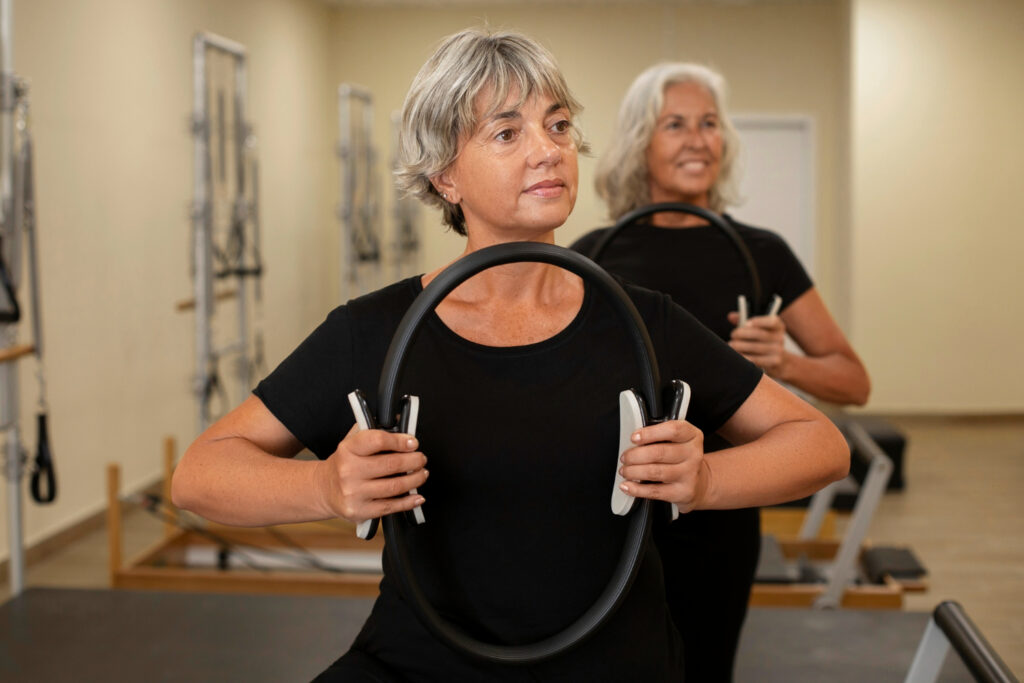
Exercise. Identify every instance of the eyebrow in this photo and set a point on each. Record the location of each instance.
(514, 113)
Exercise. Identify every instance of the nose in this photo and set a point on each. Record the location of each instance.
(693, 138)
(542, 149)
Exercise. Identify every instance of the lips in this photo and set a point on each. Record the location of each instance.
(545, 184)
(547, 188)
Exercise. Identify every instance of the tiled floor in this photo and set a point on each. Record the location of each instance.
(962, 513)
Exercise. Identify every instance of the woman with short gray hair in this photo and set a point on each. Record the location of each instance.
(519, 371)
(674, 142)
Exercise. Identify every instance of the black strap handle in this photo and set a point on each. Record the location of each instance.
(396, 526)
(44, 476)
(711, 217)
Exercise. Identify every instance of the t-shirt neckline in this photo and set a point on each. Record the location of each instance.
(554, 340)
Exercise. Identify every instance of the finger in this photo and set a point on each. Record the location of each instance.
(661, 453)
(753, 333)
(393, 487)
(766, 322)
(657, 472)
(753, 348)
(677, 431)
(389, 506)
(734, 317)
(389, 464)
(373, 441)
(648, 490)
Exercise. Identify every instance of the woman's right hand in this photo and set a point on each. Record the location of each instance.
(370, 475)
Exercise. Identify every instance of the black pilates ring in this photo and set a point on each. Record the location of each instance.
(711, 217)
(396, 525)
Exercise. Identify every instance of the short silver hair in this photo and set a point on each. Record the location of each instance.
(439, 107)
(622, 176)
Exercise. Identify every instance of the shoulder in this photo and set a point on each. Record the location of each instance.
(656, 308)
(768, 246)
(397, 295)
(382, 306)
(756, 236)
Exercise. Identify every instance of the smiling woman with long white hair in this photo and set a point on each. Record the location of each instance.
(674, 142)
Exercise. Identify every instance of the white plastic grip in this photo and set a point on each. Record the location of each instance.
(684, 406)
(743, 309)
(414, 415)
(367, 528)
(631, 418)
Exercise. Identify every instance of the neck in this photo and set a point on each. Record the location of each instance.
(676, 219)
(512, 281)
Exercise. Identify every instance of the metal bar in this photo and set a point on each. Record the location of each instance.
(355, 92)
(977, 654)
(241, 205)
(221, 43)
(346, 189)
(930, 656)
(821, 503)
(9, 333)
(201, 225)
(370, 208)
(844, 567)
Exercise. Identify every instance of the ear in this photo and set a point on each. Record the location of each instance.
(444, 183)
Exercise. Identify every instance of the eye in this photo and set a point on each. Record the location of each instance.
(562, 126)
(710, 124)
(674, 124)
(505, 135)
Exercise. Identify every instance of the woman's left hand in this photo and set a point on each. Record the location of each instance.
(761, 341)
(667, 463)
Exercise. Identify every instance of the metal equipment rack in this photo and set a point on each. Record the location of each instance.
(238, 257)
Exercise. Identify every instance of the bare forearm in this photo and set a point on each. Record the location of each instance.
(790, 461)
(833, 377)
(232, 481)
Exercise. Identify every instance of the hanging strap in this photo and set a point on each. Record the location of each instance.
(44, 477)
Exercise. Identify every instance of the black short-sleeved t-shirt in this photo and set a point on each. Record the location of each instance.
(700, 268)
(521, 444)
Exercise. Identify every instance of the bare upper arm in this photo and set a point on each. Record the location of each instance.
(769, 405)
(254, 422)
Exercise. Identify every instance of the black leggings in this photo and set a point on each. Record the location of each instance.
(710, 558)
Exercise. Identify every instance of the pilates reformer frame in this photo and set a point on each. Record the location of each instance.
(836, 561)
(358, 211)
(215, 558)
(237, 257)
(405, 242)
(17, 222)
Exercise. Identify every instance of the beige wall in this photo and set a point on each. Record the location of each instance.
(111, 100)
(937, 107)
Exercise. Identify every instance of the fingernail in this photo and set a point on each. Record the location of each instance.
(420, 500)
(636, 436)
(624, 488)
(411, 443)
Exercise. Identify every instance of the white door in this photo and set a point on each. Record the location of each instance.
(777, 179)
